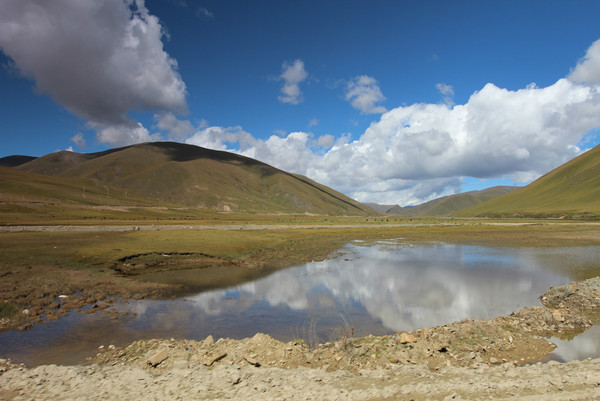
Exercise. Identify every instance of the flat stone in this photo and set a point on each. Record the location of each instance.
(406, 338)
(157, 358)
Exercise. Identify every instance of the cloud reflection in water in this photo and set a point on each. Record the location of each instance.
(405, 287)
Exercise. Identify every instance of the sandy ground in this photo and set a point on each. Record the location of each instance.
(552, 381)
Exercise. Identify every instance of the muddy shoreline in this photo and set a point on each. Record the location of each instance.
(471, 359)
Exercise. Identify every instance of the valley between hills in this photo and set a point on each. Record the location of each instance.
(78, 230)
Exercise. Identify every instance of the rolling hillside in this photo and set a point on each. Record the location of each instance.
(571, 190)
(449, 205)
(14, 161)
(28, 188)
(192, 176)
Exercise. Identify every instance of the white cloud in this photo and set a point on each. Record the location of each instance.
(448, 93)
(419, 152)
(445, 90)
(521, 134)
(78, 140)
(293, 74)
(314, 122)
(218, 138)
(325, 141)
(122, 135)
(588, 68)
(363, 93)
(290, 153)
(98, 59)
(177, 129)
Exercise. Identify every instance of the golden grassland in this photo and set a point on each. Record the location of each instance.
(284, 246)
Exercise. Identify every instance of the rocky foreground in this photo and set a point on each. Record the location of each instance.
(472, 359)
(552, 381)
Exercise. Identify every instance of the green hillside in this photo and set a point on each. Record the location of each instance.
(449, 205)
(571, 190)
(192, 176)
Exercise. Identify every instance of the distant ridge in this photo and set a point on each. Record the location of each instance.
(16, 160)
(449, 205)
(193, 176)
(571, 190)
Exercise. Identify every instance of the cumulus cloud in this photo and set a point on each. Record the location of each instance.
(415, 153)
(422, 151)
(363, 93)
(293, 74)
(588, 68)
(124, 134)
(98, 59)
(176, 129)
(520, 134)
(325, 141)
(218, 138)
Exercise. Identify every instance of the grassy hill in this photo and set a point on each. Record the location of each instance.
(449, 205)
(571, 190)
(14, 161)
(192, 176)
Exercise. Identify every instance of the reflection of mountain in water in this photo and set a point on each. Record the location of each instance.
(406, 287)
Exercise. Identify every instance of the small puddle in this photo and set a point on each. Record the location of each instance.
(365, 289)
(582, 346)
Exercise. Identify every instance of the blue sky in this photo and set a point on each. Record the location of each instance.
(395, 102)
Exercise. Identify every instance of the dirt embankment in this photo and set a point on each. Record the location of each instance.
(471, 359)
(553, 381)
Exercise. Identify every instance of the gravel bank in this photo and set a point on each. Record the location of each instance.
(552, 381)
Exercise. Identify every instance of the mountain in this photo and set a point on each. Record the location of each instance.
(27, 188)
(571, 190)
(449, 205)
(14, 161)
(192, 176)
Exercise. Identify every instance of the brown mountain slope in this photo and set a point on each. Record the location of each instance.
(449, 205)
(571, 190)
(193, 176)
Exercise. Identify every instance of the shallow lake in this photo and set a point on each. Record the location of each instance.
(365, 288)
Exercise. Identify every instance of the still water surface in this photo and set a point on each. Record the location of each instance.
(365, 289)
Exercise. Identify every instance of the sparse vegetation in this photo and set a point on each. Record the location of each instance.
(8, 310)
